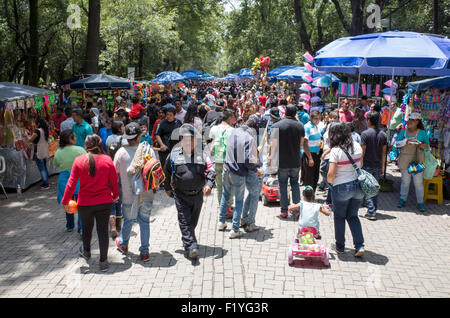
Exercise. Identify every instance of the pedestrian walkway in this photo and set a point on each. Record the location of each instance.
(407, 255)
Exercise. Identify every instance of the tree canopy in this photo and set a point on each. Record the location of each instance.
(152, 36)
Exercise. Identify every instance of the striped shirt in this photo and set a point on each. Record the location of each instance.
(314, 136)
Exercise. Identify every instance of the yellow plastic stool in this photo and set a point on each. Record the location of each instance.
(435, 194)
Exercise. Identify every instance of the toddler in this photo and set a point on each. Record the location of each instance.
(309, 213)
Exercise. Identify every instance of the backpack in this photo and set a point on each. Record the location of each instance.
(115, 146)
(369, 185)
(152, 174)
(220, 147)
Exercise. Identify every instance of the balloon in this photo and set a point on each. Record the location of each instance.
(306, 87)
(315, 90)
(267, 61)
(73, 207)
(305, 97)
(308, 67)
(392, 84)
(389, 90)
(388, 98)
(308, 57)
(307, 78)
(315, 99)
(261, 58)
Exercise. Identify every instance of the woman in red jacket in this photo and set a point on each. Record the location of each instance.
(98, 190)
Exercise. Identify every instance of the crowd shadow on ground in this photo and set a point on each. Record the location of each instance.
(205, 251)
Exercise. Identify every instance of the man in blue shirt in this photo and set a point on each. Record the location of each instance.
(303, 116)
(81, 128)
(241, 170)
(311, 162)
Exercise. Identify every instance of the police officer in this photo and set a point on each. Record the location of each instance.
(189, 176)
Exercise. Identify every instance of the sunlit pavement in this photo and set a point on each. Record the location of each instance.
(407, 255)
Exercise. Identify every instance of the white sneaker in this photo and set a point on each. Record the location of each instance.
(234, 234)
(222, 226)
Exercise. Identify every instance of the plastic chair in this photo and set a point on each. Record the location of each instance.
(2, 171)
(435, 194)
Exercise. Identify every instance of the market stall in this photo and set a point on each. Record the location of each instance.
(19, 106)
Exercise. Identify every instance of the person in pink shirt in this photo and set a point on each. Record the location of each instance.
(345, 115)
(99, 188)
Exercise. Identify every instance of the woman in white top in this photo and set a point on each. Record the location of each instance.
(346, 192)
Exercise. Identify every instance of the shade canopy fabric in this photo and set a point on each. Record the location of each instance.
(168, 77)
(231, 77)
(293, 74)
(441, 83)
(191, 76)
(196, 72)
(401, 53)
(245, 73)
(12, 91)
(277, 71)
(101, 81)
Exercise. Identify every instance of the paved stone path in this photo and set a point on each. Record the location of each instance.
(407, 255)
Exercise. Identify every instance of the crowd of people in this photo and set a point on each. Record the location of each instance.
(231, 137)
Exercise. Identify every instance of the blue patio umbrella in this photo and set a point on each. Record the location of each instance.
(191, 76)
(388, 53)
(293, 74)
(196, 72)
(231, 77)
(441, 83)
(277, 71)
(168, 77)
(246, 73)
(101, 81)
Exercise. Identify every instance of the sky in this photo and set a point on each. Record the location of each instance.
(230, 3)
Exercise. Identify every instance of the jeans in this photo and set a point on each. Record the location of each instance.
(143, 218)
(372, 203)
(291, 174)
(418, 185)
(231, 180)
(42, 166)
(116, 209)
(218, 167)
(347, 199)
(254, 184)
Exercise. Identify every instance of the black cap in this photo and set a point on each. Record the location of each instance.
(132, 131)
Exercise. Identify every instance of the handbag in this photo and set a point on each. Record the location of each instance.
(431, 164)
(368, 183)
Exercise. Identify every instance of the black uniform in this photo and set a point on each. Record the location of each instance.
(187, 177)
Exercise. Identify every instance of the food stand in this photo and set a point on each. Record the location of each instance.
(19, 106)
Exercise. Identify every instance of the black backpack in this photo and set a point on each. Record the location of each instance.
(115, 146)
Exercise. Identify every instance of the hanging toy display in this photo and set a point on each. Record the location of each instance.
(260, 69)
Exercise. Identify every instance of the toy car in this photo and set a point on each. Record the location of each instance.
(305, 247)
(270, 193)
(308, 251)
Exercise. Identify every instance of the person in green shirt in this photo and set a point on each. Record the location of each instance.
(81, 128)
(396, 122)
(64, 158)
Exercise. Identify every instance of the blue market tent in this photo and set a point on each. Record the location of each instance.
(232, 77)
(196, 72)
(277, 71)
(388, 53)
(12, 91)
(441, 83)
(246, 73)
(293, 74)
(191, 76)
(101, 81)
(168, 77)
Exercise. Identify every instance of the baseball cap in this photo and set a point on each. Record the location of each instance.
(275, 112)
(187, 130)
(415, 116)
(132, 130)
